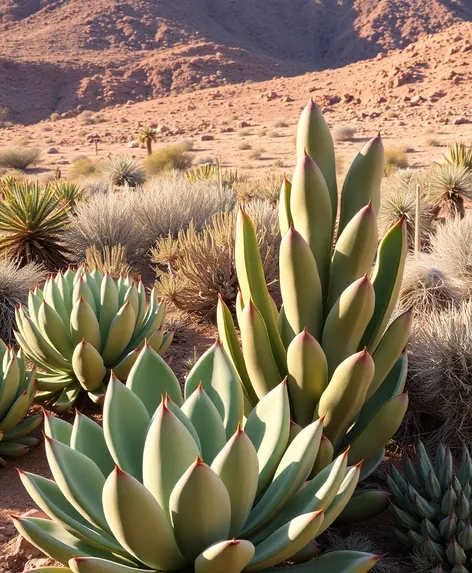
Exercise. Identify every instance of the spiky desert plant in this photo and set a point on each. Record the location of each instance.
(426, 287)
(15, 284)
(67, 192)
(449, 185)
(198, 267)
(17, 389)
(458, 153)
(147, 135)
(451, 247)
(432, 509)
(123, 171)
(331, 338)
(83, 325)
(33, 223)
(399, 200)
(111, 260)
(185, 485)
(440, 359)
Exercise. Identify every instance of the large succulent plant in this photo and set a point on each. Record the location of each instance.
(432, 509)
(83, 325)
(331, 339)
(174, 485)
(17, 388)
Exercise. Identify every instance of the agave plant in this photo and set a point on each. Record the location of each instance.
(331, 339)
(432, 509)
(185, 485)
(32, 222)
(17, 388)
(81, 326)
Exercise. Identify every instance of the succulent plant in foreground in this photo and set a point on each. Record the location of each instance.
(187, 486)
(83, 325)
(17, 388)
(432, 509)
(332, 337)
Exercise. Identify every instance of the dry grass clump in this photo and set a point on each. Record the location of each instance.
(265, 188)
(19, 157)
(123, 171)
(395, 158)
(15, 284)
(426, 288)
(105, 221)
(440, 372)
(112, 260)
(451, 247)
(449, 185)
(168, 158)
(170, 204)
(197, 267)
(343, 133)
(256, 154)
(399, 200)
(359, 542)
(83, 167)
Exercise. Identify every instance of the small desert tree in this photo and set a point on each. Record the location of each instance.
(147, 135)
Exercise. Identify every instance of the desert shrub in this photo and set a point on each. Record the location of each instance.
(197, 267)
(451, 247)
(399, 200)
(440, 376)
(103, 222)
(15, 284)
(32, 223)
(86, 117)
(266, 188)
(123, 171)
(19, 157)
(244, 146)
(426, 288)
(93, 185)
(170, 204)
(83, 167)
(449, 186)
(54, 117)
(395, 158)
(459, 154)
(168, 158)
(256, 154)
(343, 133)
(109, 259)
(281, 123)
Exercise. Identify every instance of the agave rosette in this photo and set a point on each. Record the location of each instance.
(188, 485)
(17, 389)
(83, 325)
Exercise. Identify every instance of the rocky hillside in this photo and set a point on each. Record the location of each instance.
(57, 54)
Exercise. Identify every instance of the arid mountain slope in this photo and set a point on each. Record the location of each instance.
(56, 54)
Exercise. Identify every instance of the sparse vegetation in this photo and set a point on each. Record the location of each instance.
(19, 157)
(244, 146)
(256, 154)
(344, 133)
(123, 171)
(83, 167)
(54, 117)
(167, 159)
(395, 158)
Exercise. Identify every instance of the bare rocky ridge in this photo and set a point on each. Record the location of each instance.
(57, 54)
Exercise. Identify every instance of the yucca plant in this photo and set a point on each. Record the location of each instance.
(123, 171)
(33, 222)
(449, 187)
(83, 325)
(432, 509)
(147, 135)
(331, 339)
(67, 192)
(458, 153)
(187, 485)
(17, 389)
